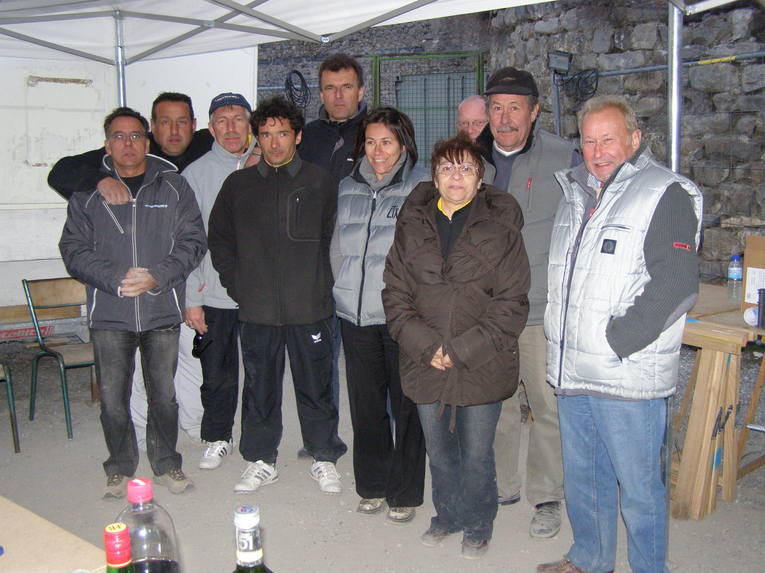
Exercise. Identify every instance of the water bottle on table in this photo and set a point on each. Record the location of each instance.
(735, 276)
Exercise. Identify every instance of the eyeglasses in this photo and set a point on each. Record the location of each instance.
(133, 136)
(476, 123)
(463, 169)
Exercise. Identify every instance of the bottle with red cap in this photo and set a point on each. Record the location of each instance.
(117, 544)
(152, 534)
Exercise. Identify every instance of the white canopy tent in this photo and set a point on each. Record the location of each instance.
(121, 32)
(46, 115)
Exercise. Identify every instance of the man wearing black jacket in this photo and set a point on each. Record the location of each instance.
(330, 141)
(269, 235)
(172, 138)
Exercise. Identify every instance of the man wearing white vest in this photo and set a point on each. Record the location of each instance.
(623, 273)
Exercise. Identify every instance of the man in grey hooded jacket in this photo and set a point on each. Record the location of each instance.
(134, 259)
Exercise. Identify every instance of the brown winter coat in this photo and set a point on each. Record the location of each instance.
(473, 303)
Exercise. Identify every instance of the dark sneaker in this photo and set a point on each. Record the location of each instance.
(434, 536)
(116, 486)
(175, 480)
(474, 549)
(546, 520)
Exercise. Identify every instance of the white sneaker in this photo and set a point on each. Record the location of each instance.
(257, 474)
(212, 455)
(326, 474)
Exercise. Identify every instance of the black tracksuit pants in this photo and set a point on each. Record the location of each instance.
(310, 352)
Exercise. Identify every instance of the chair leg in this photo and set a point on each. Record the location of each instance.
(65, 394)
(12, 408)
(95, 393)
(33, 387)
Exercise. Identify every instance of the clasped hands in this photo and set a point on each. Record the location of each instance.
(136, 282)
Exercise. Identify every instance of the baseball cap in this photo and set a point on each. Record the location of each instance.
(228, 98)
(511, 81)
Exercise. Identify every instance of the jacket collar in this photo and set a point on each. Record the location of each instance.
(221, 154)
(485, 141)
(154, 167)
(402, 173)
(292, 168)
(357, 117)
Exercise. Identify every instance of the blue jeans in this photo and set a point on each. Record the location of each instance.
(462, 467)
(612, 457)
(115, 362)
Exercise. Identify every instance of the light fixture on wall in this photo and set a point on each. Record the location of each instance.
(559, 62)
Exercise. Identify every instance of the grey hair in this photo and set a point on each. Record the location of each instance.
(599, 103)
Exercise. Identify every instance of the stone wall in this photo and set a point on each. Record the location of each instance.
(467, 33)
(723, 123)
(723, 118)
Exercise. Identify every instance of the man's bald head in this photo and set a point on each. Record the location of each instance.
(472, 116)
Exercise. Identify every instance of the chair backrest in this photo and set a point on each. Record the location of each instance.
(50, 299)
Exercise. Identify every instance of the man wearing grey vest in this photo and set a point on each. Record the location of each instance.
(526, 159)
(623, 273)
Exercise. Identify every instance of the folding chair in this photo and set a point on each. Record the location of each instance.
(50, 299)
(5, 376)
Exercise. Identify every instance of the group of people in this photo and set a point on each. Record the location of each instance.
(516, 258)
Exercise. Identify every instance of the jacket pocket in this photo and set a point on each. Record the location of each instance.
(305, 210)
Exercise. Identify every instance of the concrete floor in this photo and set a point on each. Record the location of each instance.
(305, 530)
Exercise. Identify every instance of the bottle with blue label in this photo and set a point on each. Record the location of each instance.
(735, 276)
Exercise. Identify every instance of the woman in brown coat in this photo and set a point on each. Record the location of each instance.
(455, 300)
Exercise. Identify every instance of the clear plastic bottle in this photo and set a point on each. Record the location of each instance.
(735, 276)
(249, 549)
(152, 534)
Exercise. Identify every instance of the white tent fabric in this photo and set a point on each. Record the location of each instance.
(153, 29)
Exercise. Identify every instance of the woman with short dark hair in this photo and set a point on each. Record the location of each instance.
(456, 281)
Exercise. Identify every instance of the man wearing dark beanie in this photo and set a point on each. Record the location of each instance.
(526, 160)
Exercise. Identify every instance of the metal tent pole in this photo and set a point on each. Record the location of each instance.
(119, 59)
(674, 95)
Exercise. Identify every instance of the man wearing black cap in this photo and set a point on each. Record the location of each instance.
(526, 159)
(209, 309)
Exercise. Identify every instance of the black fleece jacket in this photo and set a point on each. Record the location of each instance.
(269, 236)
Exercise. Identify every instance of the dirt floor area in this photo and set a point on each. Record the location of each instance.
(305, 530)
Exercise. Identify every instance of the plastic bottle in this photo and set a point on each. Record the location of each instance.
(117, 545)
(249, 549)
(735, 274)
(152, 534)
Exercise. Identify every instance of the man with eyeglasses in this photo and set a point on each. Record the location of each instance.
(472, 116)
(134, 259)
(526, 159)
(172, 138)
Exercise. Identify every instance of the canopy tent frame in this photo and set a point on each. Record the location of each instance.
(282, 30)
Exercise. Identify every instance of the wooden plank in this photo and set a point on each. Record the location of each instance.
(695, 460)
(748, 419)
(730, 457)
(57, 291)
(715, 337)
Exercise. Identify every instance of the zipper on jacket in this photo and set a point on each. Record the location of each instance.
(134, 242)
(120, 228)
(278, 275)
(574, 254)
(364, 257)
